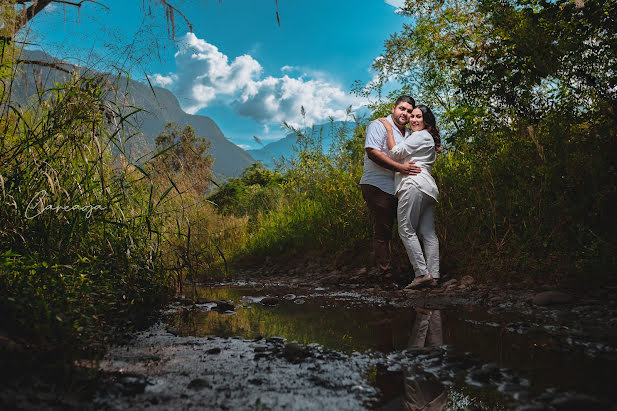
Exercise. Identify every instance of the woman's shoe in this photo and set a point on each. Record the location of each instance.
(421, 281)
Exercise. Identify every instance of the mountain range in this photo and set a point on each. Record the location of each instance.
(271, 153)
(159, 107)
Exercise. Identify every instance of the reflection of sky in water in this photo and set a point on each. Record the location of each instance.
(338, 322)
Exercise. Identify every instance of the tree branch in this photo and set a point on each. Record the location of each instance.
(55, 65)
(172, 9)
(38, 6)
(72, 3)
(29, 13)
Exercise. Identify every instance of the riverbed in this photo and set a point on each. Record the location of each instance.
(256, 345)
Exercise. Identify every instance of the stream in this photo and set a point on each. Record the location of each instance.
(246, 346)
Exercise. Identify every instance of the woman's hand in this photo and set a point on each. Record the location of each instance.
(386, 124)
(389, 133)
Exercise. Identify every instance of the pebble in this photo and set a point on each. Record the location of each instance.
(467, 280)
(551, 297)
(270, 301)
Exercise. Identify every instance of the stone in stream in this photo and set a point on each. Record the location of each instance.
(198, 384)
(578, 402)
(222, 306)
(131, 384)
(269, 301)
(295, 353)
(551, 297)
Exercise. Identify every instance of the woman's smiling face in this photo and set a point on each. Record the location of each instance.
(415, 120)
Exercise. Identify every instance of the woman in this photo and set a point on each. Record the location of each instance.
(417, 194)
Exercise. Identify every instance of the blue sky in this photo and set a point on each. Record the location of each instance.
(237, 66)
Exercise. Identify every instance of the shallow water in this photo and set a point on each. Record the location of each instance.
(508, 360)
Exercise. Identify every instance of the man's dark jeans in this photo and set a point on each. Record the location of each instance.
(382, 207)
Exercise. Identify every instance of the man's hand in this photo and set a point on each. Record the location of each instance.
(409, 168)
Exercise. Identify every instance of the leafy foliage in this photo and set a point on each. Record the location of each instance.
(78, 227)
(311, 203)
(181, 155)
(525, 91)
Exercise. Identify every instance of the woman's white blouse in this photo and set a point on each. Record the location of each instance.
(419, 146)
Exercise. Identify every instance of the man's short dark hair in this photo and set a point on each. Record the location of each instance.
(405, 99)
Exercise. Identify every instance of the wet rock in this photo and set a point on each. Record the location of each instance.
(183, 301)
(198, 384)
(275, 340)
(362, 271)
(289, 296)
(295, 353)
(467, 280)
(222, 306)
(299, 301)
(270, 301)
(449, 283)
(203, 300)
(533, 407)
(131, 384)
(489, 373)
(215, 350)
(578, 402)
(551, 297)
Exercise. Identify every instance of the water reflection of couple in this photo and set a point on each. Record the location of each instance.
(409, 153)
(422, 390)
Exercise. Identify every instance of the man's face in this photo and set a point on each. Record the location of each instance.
(401, 113)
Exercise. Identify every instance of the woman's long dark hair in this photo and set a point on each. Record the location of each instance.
(430, 123)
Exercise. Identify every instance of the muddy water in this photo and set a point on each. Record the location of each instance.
(468, 357)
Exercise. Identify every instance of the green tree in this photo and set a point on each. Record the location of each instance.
(184, 157)
(525, 93)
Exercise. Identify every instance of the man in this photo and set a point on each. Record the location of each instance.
(377, 183)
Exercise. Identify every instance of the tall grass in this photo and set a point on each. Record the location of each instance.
(89, 242)
(516, 204)
(311, 204)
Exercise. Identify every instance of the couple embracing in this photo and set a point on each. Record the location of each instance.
(397, 181)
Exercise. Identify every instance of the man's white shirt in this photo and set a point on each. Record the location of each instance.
(374, 174)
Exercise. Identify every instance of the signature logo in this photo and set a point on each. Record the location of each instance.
(36, 207)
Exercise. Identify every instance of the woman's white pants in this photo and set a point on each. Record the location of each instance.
(416, 220)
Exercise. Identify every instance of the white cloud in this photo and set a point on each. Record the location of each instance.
(400, 6)
(395, 3)
(162, 81)
(205, 76)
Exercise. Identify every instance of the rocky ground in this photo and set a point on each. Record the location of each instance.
(159, 370)
(555, 306)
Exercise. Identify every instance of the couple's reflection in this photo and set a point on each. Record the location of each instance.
(423, 391)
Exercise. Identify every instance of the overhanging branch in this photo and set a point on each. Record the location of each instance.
(54, 65)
